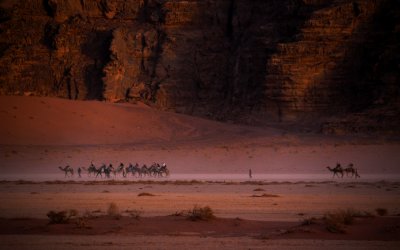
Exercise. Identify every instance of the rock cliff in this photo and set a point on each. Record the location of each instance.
(226, 59)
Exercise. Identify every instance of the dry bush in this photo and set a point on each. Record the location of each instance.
(381, 211)
(266, 195)
(180, 213)
(201, 213)
(335, 221)
(113, 210)
(309, 221)
(61, 217)
(82, 222)
(146, 194)
(136, 214)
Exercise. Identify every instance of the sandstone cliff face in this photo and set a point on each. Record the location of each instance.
(226, 59)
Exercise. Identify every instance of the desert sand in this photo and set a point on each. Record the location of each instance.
(209, 163)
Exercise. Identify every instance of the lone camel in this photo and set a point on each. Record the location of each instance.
(67, 170)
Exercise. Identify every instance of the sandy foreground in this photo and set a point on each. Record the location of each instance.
(209, 163)
(258, 215)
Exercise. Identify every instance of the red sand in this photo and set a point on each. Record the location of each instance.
(39, 134)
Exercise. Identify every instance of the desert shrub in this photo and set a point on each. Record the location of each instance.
(82, 222)
(309, 221)
(335, 221)
(258, 189)
(136, 214)
(201, 213)
(73, 213)
(113, 210)
(58, 217)
(381, 211)
(265, 195)
(61, 217)
(146, 194)
(180, 213)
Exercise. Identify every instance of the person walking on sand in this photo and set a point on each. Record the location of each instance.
(79, 172)
(250, 175)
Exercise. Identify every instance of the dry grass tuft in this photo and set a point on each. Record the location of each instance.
(136, 214)
(265, 195)
(61, 217)
(309, 221)
(336, 221)
(381, 211)
(146, 194)
(82, 223)
(113, 210)
(201, 213)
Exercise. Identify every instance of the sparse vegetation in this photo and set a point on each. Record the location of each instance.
(336, 221)
(258, 189)
(136, 214)
(309, 221)
(113, 210)
(61, 217)
(265, 195)
(145, 194)
(82, 222)
(381, 211)
(201, 213)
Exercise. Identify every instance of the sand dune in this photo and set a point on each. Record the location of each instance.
(51, 121)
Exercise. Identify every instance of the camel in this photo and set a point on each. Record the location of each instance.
(163, 170)
(153, 170)
(91, 170)
(133, 169)
(144, 170)
(353, 171)
(104, 169)
(120, 169)
(67, 170)
(336, 170)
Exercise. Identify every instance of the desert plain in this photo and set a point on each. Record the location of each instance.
(285, 205)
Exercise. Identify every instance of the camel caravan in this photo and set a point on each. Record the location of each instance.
(350, 169)
(104, 171)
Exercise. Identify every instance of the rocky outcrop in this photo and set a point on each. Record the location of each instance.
(225, 59)
(331, 66)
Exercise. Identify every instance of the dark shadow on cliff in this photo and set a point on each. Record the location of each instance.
(219, 68)
(364, 86)
(96, 48)
(371, 63)
(254, 30)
